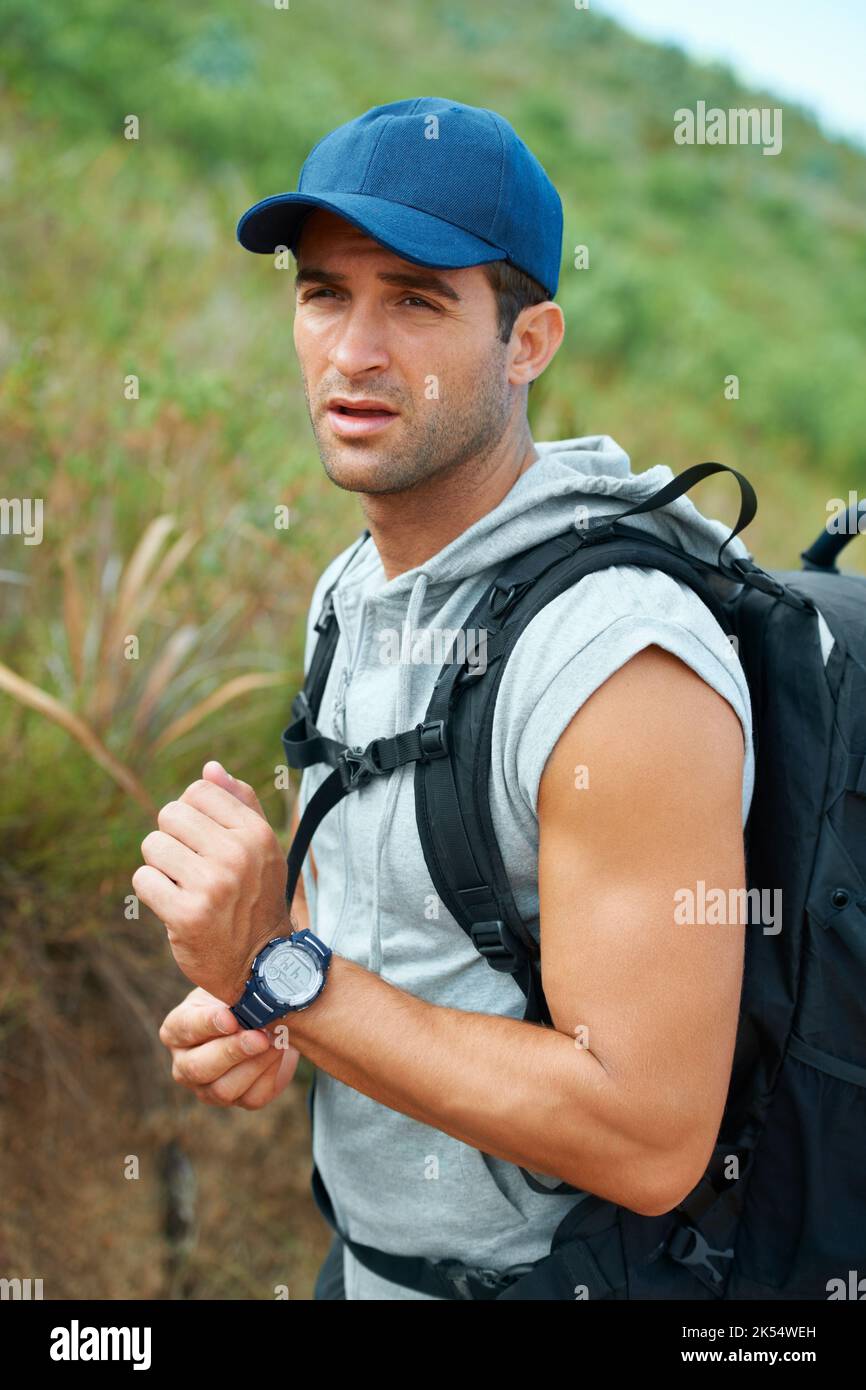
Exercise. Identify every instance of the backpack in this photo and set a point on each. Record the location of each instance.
(780, 1212)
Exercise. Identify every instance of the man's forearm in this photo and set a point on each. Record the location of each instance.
(517, 1091)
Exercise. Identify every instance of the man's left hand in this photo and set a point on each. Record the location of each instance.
(215, 875)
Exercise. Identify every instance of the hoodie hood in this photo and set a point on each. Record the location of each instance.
(591, 472)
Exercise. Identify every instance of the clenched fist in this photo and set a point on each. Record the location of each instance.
(221, 1062)
(215, 875)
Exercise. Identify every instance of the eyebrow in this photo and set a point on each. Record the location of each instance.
(407, 279)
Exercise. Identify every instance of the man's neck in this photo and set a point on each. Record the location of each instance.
(408, 527)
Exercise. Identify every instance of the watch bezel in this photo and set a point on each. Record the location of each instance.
(261, 986)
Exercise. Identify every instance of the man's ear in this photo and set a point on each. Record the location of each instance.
(537, 334)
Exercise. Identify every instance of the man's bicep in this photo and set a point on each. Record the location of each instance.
(639, 802)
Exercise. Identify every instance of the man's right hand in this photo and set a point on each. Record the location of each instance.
(213, 1061)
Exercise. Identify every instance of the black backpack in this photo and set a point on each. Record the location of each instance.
(781, 1211)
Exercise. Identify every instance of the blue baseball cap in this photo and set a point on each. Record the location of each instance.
(435, 181)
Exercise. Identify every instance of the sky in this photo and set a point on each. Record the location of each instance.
(810, 51)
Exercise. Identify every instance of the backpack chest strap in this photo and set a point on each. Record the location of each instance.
(352, 767)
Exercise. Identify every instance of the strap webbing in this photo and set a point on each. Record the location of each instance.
(686, 480)
(354, 768)
(325, 799)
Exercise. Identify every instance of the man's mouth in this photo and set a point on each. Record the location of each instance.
(351, 420)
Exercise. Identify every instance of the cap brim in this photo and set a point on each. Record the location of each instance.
(414, 235)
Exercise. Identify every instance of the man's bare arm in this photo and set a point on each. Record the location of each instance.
(632, 1116)
(656, 1001)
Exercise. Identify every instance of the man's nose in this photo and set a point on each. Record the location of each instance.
(359, 343)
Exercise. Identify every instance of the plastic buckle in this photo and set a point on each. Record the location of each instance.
(498, 945)
(357, 765)
(688, 1247)
(433, 741)
(756, 578)
(479, 1283)
(505, 597)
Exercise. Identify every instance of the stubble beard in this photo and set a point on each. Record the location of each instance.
(438, 439)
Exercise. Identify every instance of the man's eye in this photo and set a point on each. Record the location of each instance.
(412, 299)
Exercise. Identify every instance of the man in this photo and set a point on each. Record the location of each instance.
(428, 242)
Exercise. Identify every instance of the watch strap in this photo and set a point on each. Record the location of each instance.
(251, 1011)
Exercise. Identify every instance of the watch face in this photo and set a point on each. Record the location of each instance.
(291, 974)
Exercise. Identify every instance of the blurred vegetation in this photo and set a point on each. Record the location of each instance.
(119, 258)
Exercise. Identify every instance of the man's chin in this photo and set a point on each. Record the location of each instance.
(376, 471)
(354, 468)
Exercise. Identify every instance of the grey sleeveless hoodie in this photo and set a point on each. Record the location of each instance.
(396, 1183)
